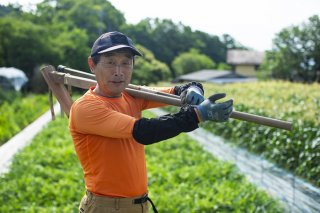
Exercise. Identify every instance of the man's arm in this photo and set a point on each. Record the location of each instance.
(149, 131)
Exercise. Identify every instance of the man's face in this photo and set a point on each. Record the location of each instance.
(113, 73)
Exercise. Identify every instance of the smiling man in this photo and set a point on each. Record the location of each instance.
(109, 134)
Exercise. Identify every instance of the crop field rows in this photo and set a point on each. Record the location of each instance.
(46, 176)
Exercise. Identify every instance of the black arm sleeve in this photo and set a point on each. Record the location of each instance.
(179, 89)
(149, 131)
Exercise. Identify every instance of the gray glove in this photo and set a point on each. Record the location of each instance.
(218, 112)
(192, 96)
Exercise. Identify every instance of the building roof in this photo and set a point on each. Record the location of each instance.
(204, 75)
(247, 57)
(214, 76)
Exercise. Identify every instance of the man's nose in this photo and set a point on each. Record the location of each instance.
(118, 70)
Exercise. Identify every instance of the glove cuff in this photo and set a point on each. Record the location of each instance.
(198, 89)
(198, 114)
(179, 89)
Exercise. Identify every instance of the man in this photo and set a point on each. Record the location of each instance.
(109, 134)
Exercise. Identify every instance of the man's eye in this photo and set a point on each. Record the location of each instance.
(127, 63)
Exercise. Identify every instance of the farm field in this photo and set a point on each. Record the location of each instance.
(16, 112)
(46, 177)
(297, 151)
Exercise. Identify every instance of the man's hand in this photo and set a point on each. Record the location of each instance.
(192, 96)
(218, 112)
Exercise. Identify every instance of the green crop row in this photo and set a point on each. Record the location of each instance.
(17, 113)
(298, 150)
(46, 177)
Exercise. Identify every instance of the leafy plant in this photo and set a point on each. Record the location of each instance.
(19, 112)
(298, 150)
(47, 177)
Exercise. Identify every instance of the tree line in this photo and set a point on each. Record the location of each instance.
(295, 55)
(63, 31)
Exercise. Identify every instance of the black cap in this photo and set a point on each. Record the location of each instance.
(113, 41)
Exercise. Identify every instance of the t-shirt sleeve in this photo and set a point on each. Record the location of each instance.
(97, 119)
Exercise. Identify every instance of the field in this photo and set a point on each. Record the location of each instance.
(16, 112)
(46, 177)
(297, 151)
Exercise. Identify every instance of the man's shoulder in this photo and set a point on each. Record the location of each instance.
(86, 101)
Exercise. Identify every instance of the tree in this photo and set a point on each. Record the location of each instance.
(23, 44)
(72, 48)
(211, 46)
(95, 17)
(148, 70)
(296, 53)
(191, 61)
(167, 40)
(231, 43)
(10, 10)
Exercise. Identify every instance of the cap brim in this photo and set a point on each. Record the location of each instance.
(135, 52)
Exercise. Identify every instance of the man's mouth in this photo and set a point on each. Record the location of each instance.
(116, 82)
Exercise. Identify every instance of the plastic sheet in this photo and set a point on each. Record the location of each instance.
(13, 76)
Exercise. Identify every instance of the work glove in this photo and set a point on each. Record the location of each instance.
(192, 96)
(218, 112)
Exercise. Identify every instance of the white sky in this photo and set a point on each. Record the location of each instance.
(253, 23)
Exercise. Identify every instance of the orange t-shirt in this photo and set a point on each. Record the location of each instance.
(101, 128)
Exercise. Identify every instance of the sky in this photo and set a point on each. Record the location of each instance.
(253, 23)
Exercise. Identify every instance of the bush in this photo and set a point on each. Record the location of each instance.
(18, 112)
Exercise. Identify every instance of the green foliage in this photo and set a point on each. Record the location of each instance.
(94, 18)
(224, 66)
(210, 45)
(23, 44)
(298, 150)
(17, 113)
(148, 70)
(47, 177)
(205, 185)
(63, 31)
(72, 48)
(295, 54)
(231, 43)
(167, 40)
(10, 10)
(191, 61)
(59, 32)
(8, 96)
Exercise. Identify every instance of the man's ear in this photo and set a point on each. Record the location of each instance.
(91, 64)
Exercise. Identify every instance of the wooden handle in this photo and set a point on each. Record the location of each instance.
(82, 81)
(261, 120)
(235, 114)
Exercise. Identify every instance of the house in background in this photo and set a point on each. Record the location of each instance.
(245, 62)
